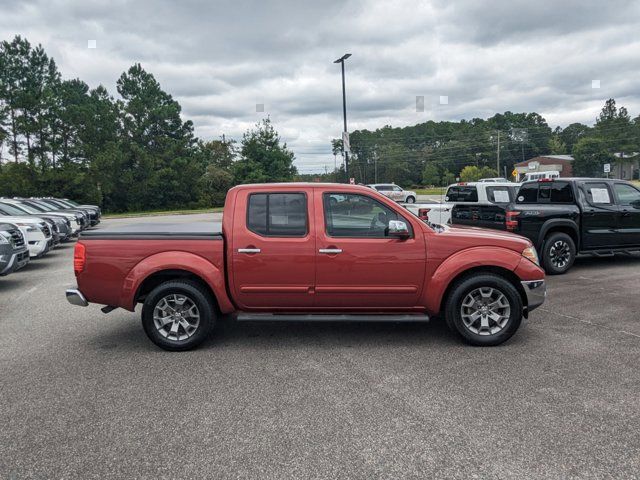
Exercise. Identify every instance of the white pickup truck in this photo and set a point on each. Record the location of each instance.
(466, 193)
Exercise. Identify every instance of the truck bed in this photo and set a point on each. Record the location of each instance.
(157, 231)
(139, 250)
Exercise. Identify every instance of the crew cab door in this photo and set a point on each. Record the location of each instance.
(628, 198)
(599, 216)
(358, 266)
(273, 250)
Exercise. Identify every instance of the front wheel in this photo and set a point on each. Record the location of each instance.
(178, 315)
(484, 309)
(558, 254)
(411, 199)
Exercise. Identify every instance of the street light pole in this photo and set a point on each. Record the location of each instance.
(344, 113)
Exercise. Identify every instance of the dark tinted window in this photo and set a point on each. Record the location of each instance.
(461, 193)
(278, 214)
(528, 193)
(357, 216)
(500, 194)
(561, 192)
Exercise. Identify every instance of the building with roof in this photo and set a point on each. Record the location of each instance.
(545, 163)
(626, 166)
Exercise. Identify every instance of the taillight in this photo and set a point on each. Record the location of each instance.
(79, 258)
(423, 213)
(545, 179)
(511, 221)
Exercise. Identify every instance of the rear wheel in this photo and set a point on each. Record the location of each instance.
(485, 309)
(558, 254)
(178, 315)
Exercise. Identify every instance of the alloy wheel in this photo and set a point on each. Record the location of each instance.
(485, 311)
(176, 317)
(559, 254)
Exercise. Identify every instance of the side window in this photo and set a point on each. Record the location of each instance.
(597, 193)
(561, 192)
(499, 194)
(357, 216)
(277, 214)
(383, 188)
(528, 193)
(627, 195)
(396, 188)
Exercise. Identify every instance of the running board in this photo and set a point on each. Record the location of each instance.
(294, 317)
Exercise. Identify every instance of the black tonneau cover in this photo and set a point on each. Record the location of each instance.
(155, 231)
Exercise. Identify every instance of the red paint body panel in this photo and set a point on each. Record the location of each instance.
(289, 274)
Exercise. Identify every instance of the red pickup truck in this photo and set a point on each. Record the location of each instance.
(309, 252)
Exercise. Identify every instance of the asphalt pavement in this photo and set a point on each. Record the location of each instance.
(86, 395)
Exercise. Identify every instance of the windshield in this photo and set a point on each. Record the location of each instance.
(26, 208)
(11, 210)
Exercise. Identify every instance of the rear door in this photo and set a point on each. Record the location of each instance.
(358, 265)
(599, 216)
(628, 198)
(273, 250)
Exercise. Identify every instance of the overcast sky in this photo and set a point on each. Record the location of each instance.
(221, 58)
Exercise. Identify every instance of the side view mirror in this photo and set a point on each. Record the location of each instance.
(397, 228)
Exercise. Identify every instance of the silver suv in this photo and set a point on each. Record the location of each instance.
(394, 192)
(14, 253)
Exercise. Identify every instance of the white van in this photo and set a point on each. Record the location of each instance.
(541, 175)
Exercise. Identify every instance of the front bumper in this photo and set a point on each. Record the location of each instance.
(536, 291)
(75, 297)
(14, 262)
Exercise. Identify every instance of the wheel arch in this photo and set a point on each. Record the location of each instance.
(498, 260)
(507, 274)
(165, 266)
(559, 225)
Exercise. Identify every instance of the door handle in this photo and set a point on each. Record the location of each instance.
(248, 250)
(330, 251)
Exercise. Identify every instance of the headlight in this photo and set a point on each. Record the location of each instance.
(531, 254)
(28, 227)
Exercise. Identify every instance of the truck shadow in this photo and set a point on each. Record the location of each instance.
(334, 334)
(618, 260)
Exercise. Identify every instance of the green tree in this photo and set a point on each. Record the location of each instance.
(590, 154)
(262, 157)
(431, 175)
(470, 173)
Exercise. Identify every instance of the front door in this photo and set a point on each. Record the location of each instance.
(273, 251)
(360, 267)
(599, 217)
(628, 198)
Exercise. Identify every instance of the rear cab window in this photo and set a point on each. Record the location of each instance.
(461, 193)
(278, 214)
(545, 192)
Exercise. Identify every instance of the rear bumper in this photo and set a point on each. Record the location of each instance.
(75, 297)
(536, 291)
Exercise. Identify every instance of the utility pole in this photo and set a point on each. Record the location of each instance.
(344, 113)
(498, 164)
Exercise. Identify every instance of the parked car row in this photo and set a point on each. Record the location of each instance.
(31, 227)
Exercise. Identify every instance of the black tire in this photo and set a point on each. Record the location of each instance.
(558, 253)
(465, 287)
(411, 199)
(198, 296)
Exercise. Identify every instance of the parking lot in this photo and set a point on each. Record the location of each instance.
(87, 395)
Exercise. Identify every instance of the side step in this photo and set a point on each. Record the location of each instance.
(294, 317)
(612, 252)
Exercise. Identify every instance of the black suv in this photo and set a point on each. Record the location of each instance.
(567, 216)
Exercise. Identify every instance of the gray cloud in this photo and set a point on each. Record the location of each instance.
(221, 58)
